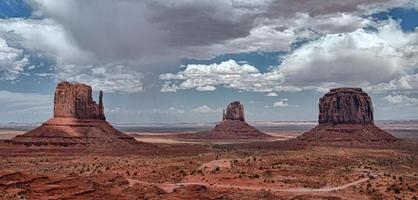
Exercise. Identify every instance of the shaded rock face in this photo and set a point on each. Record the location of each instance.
(234, 111)
(346, 106)
(232, 126)
(78, 120)
(75, 100)
(346, 114)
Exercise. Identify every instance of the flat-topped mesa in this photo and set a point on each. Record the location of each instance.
(74, 100)
(346, 115)
(234, 111)
(345, 106)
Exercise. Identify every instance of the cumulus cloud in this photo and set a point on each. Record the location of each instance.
(228, 73)
(347, 59)
(72, 63)
(206, 109)
(279, 104)
(384, 58)
(145, 30)
(44, 36)
(401, 100)
(12, 61)
(138, 34)
(272, 94)
(282, 103)
(111, 78)
(379, 60)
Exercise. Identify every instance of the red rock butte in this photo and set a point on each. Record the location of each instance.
(346, 114)
(233, 126)
(78, 120)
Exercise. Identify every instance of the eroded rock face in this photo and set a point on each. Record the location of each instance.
(346, 115)
(75, 100)
(233, 126)
(234, 111)
(346, 106)
(78, 120)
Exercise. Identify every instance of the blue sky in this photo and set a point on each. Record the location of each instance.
(183, 61)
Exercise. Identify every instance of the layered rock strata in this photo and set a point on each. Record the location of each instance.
(78, 120)
(233, 126)
(346, 114)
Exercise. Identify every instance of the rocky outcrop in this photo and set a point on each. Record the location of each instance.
(234, 111)
(346, 114)
(346, 106)
(233, 126)
(78, 120)
(75, 100)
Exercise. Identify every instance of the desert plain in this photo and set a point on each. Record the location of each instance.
(167, 166)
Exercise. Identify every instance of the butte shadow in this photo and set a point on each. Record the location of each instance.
(232, 127)
(78, 122)
(346, 115)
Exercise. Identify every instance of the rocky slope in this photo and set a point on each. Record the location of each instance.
(233, 126)
(346, 114)
(78, 120)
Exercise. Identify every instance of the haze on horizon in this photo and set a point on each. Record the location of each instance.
(183, 61)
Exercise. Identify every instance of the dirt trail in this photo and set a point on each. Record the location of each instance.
(169, 187)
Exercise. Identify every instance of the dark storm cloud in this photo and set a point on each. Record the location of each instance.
(85, 36)
(198, 24)
(131, 30)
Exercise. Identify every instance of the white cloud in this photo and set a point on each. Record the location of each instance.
(44, 36)
(279, 104)
(384, 58)
(229, 74)
(206, 109)
(145, 33)
(111, 78)
(12, 61)
(404, 83)
(72, 63)
(401, 100)
(358, 58)
(272, 94)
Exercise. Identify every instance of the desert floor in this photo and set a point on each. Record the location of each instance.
(178, 169)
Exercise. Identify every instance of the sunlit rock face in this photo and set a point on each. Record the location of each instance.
(346, 114)
(75, 100)
(78, 121)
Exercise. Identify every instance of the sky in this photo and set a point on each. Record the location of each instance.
(183, 61)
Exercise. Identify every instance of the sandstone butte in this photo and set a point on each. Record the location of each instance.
(233, 126)
(346, 114)
(78, 120)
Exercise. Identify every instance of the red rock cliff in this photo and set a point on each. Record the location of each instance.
(346, 106)
(234, 111)
(75, 101)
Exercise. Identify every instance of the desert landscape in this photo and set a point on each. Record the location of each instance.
(78, 155)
